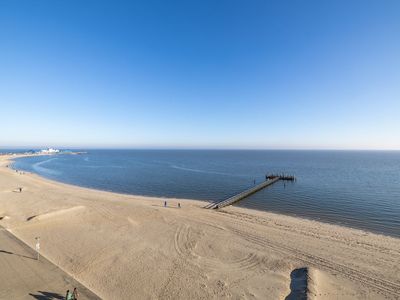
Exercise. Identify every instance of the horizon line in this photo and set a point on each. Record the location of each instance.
(4, 148)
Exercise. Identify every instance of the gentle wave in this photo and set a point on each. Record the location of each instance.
(39, 167)
(201, 171)
(102, 167)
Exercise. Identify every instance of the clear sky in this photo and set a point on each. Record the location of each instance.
(200, 74)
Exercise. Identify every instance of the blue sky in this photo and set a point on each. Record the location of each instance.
(200, 74)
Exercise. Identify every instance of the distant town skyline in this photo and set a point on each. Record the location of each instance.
(200, 75)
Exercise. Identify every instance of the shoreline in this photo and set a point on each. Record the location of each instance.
(138, 248)
(204, 202)
(70, 185)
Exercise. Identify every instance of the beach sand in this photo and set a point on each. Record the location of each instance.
(131, 247)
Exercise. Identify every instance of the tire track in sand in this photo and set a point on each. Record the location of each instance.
(185, 244)
(380, 285)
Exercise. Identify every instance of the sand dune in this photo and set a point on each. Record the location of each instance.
(128, 247)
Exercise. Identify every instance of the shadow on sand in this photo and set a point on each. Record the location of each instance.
(298, 284)
(20, 255)
(46, 295)
(161, 205)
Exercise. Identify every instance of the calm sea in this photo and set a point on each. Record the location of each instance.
(360, 189)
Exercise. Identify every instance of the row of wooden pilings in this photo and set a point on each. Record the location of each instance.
(269, 180)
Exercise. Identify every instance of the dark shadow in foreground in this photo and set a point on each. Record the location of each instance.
(298, 284)
(46, 296)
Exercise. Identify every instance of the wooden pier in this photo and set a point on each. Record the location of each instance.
(269, 180)
(281, 177)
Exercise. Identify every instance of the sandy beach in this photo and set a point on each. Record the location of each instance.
(131, 247)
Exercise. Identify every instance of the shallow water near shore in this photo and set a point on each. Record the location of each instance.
(359, 189)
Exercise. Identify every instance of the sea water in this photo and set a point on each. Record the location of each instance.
(360, 189)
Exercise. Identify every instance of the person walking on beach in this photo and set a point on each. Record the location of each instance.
(165, 203)
(75, 294)
(179, 205)
(68, 296)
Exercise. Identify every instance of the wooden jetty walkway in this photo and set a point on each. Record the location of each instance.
(270, 179)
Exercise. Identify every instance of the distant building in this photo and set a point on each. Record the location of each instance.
(50, 151)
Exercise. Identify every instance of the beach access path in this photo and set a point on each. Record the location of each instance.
(24, 277)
